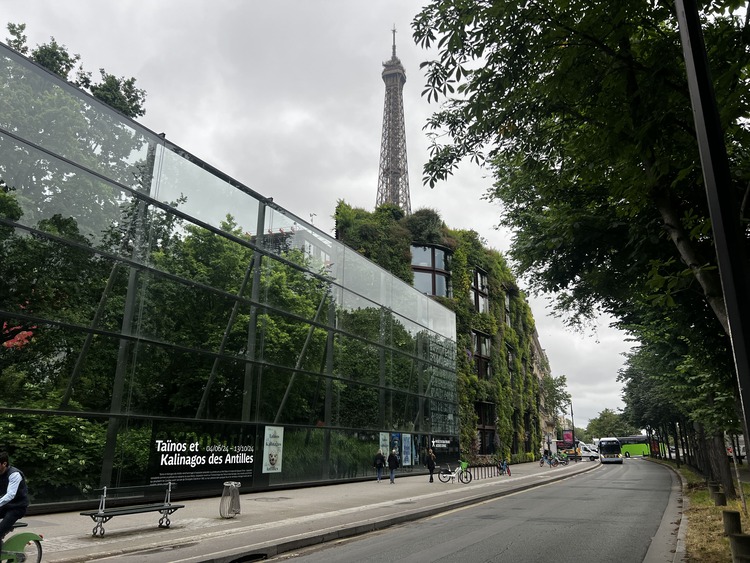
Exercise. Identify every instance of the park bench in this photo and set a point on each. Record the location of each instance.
(105, 513)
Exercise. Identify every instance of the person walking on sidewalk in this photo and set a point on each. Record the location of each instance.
(379, 463)
(430, 462)
(393, 465)
(14, 496)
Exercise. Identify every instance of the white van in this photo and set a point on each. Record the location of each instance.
(588, 451)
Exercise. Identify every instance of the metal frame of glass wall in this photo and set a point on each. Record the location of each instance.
(162, 322)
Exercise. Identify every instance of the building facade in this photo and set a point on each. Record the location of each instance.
(500, 362)
(163, 322)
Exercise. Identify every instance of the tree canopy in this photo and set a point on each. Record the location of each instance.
(582, 112)
(610, 423)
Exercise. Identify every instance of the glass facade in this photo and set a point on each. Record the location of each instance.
(161, 321)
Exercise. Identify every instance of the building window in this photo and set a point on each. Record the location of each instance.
(430, 266)
(481, 344)
(507, 309)
(421, 256)
(486, 429)
(480, 292)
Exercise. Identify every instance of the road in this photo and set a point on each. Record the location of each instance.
(606, 515)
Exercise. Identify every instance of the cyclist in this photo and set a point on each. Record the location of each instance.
(15, 496)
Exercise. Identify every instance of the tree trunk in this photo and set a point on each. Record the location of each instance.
(677, 452)
(708, 279)
(720, 465)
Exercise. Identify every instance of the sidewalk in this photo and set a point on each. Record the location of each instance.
(276, 521)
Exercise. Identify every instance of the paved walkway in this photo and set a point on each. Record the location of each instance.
(276, 521)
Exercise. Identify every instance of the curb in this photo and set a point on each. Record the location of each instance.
(272, 549)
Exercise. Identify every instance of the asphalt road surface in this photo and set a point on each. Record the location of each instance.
(610, 514)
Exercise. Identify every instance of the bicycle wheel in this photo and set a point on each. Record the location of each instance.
(465, 476)
(555, 463)
(33, 551)
(444, 477)
(541, 462)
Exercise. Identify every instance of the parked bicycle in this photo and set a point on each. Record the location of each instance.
(461, 473)
(562, 458)
(22, 547)
(503, 467)
(549, 460)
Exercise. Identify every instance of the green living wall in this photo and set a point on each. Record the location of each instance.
(517, 362)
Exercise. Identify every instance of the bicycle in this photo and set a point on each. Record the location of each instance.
(503, 467)
(22, 547)
(549, 460)
(461, 472)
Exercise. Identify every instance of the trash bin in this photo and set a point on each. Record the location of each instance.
(230, 500)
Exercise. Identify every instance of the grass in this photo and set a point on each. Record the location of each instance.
(705, 541)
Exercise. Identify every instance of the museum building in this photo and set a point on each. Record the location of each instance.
(163, 322)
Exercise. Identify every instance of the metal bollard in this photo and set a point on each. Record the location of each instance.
(229, 507)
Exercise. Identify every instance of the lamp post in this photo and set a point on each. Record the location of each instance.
(573, 430)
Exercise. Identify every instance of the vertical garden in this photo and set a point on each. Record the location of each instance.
(500, 363)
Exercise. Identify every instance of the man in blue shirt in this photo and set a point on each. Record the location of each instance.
(15, 496)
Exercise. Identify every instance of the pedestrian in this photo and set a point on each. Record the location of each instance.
(379, 463)
(430, 462)
(14, 496)
(393, 465)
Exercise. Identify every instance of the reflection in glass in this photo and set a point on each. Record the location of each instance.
(147, 302)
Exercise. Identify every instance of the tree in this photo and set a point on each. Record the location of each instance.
(610, 423)
(584, 113)
(377, 236)
(554, 395)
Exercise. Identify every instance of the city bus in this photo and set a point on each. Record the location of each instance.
(610, 451)
(636, 445)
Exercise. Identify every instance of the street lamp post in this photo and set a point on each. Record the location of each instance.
(573, 430)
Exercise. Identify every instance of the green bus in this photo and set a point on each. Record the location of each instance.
(636, 445)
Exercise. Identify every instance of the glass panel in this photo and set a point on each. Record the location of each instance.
(50, 191)
(421, 256)
(218, 328)
(355, 406)
(53, 114)
(73, 294)
(339, 455)
(441, 285)
(356, 360)
(191, 189)
(288, 397)
(423, 282)
(285, 341)
(441, 259)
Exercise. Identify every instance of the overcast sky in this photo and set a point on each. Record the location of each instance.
(286, 96)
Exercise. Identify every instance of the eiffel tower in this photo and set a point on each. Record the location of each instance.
(393, 179)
